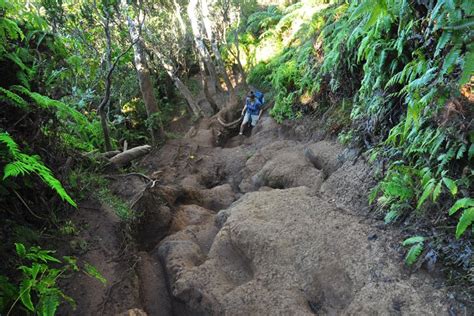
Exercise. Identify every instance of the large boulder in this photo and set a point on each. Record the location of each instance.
(325, 155)
(349, 186)
(281, 164)
(288, 252)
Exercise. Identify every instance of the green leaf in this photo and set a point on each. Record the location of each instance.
(390, 216)
(461, 151)
(468, 66)
(466, 219)
(49, 303)
(443, 40)
(414, 253)
(450, 60)
(25, 294)
(45, 257)
(20, 249)
(451, 185)
(14, 98)
(413, 240)
(373, 194)
(426, 192)
(93, 272)
(72, 262)
(8, 293)
(437, 191)
(461, 203)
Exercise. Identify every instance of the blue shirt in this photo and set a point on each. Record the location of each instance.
(253, 108)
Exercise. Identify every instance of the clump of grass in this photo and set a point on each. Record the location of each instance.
(90, 184)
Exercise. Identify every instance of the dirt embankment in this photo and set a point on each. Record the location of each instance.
(274, 223)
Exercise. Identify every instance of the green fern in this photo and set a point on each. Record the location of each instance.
(63, 110)
(467, 218)
(417, 245)
(8, 30)
(38, 290)
(23, 164)
(13, 98)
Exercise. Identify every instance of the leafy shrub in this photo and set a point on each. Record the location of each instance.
(38, 290)
(19, 163)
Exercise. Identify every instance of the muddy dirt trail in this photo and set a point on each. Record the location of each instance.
(270, 224)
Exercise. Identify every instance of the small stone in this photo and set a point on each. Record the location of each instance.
(372, 237)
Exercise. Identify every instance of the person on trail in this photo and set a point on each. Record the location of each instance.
(252, 109)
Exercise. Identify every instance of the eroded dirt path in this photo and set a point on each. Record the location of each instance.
(271, 224)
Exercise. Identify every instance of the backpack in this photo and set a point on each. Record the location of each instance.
(260, 96)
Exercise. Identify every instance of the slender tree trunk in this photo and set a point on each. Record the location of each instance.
(171, 71)
(237, 57)
(199, 43)
(208, 95)
(108, 82)
(179, 17)
(105, 129)
(214, 47)
(145, 82)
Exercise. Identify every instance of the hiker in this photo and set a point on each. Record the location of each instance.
(252, 109)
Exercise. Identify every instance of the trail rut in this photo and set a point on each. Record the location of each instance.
(271, 224)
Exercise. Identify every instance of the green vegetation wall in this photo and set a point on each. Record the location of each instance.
(393, 77)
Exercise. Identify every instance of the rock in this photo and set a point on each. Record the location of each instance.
(286, 252)
(134, 312)
(349, 186)
(325, 155)
(218, 197)
(256, 162)
(288, 169)
(280, 165)
(196, 224)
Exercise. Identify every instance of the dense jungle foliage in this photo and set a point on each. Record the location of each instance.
(81, 79)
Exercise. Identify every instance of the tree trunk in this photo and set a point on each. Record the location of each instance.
(145, 82)
(208, 95)
(171, 71)
(200, 46)
(108, 82)
(215, 49)
(105, 129)
(179, 17)
(237, 57)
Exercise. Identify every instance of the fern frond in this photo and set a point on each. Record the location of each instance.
(413, 254)
(450, 60)
(45, 102)
(417, 243)
(22, 164)
(413, 240)
(465, 221)
(460, 204)
(13, 98)
(11, 145)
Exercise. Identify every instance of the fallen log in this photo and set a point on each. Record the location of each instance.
(122, 159)
(110, 154)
